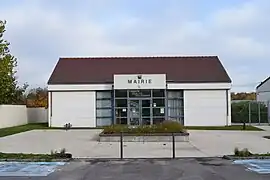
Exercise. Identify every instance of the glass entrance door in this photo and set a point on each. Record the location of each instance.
(134, 112)
(139, 112)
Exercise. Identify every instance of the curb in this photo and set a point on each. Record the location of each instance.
(244, 158)
(35, 160)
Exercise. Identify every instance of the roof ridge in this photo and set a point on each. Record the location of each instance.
(130, 57)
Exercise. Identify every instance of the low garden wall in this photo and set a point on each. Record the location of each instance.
(155, 137)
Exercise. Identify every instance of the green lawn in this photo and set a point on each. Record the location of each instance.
(232, 128)
(46, 157)
(23, 128)
(29, 127)
(34, 157)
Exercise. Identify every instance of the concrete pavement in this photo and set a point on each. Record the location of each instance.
(84, 144)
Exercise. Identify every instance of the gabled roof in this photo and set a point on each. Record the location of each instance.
(264, 81)
(100, 70)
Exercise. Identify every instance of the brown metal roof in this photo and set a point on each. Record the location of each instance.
(189, 69)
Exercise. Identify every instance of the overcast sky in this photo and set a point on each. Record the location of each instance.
(238, 31)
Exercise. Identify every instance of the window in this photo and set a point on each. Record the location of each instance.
(121, 93)
(104, 113)
(158, 93)
(104, 94)
(104, 108)
(158, 102)
(176, 106)
(105, 121)
(120, 112)
(140, 93)
(121, 103)
(104, 103)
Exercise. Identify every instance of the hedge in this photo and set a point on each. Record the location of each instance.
(241, 113)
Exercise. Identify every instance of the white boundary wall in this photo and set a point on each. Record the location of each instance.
(12, 115)
(37, 115)
(16, 115)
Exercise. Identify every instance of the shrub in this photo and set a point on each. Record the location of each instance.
(61, 154)
(164, 127)
(242, 153)
(236, 151)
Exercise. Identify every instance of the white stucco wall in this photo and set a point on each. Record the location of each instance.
(75, 107)
(205, 104)
(263, 92)
(263, 97)
(205, 108)
(37, 115)
(12, 115)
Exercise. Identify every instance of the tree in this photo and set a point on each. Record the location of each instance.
(37, 97)
(10, 92)
(243, 96)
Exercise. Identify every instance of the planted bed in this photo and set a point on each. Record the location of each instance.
(163, 132)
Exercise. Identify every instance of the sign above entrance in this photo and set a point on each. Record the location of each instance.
(140, 81)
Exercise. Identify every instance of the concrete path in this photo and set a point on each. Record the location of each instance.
(266, 128)
(83, 143)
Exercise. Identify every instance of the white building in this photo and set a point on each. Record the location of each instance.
(263, 91)
(91, 92)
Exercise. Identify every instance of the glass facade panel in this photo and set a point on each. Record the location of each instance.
(121, 121)
(146, 121)
(176, 106)
(103, 108)
(104, 94)
(121, 103)
(146, 112)
(104, 103)
(121, 93)
(120, 112)
(146, 103)
(104, 112)
(159, 111)
(158, 120)
(104, 121)
(158, 93)
(140, 93)
(158, 102)
(139, 107)
(175, 94)
(172, 103)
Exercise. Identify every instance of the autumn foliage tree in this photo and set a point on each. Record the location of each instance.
(37, 97)
(243, 96)
(10, 92)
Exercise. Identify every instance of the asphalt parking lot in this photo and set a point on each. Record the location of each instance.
(152, 169)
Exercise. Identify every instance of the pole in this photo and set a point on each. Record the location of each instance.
(268, 112)
(249, 113)
(121, 145)
(259, 112)
(173, 145)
